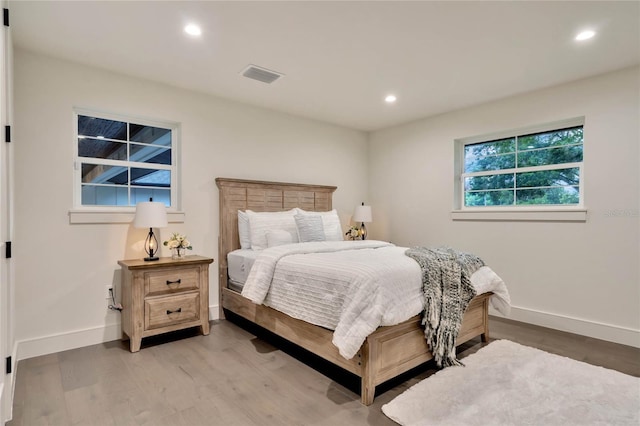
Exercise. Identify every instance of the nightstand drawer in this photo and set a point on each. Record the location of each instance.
(171, 281)
(164, 311)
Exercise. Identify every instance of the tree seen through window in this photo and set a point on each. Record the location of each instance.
(532, 169)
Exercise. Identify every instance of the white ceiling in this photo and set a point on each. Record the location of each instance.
(341, 58)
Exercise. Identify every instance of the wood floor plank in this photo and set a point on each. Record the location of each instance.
(232, 377)
(43, 403)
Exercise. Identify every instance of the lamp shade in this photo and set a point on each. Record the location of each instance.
(362, 214)
(150, 214)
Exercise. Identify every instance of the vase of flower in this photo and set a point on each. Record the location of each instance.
(179, 245)
(177, 253)
(353, 233)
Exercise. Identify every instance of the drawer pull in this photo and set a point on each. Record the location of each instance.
(174, 282)
(173, 312)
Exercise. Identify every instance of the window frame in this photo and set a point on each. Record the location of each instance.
(122, 214)
(527, 212)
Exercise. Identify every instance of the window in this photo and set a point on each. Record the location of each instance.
(532, 168)
(120, 161)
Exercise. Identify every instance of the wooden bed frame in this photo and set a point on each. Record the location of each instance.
(386, 353)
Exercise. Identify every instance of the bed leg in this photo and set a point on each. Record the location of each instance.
(484, 337)
(368, 392)
(368, 385)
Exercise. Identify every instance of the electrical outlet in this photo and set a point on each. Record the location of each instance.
(107, 292)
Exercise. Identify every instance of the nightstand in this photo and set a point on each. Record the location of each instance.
(164, 295)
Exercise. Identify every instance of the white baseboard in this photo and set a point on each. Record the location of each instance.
(214, 312)
(608, 332)
(30, 348)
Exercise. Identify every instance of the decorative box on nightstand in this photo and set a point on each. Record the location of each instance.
(164, 295)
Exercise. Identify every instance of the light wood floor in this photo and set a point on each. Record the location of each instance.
(232, 377)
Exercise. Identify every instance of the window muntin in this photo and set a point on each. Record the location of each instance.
(120, 162)
(543, 168)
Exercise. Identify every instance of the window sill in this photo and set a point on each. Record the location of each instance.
(573, 215)
(102, 216)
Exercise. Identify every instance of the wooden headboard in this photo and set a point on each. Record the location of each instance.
(260, 196)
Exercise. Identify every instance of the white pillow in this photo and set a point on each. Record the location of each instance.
(331, 224)
(278, 237)
(243, 230)
(310, 227)
(261, 222)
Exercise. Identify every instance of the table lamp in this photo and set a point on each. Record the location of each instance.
(362, 214)
(150, 214)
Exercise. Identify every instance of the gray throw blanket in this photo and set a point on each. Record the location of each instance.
(447, 293)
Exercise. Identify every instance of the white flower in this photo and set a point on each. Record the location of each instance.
(178, 241)
(353, 232)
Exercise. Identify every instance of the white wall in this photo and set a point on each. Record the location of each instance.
(62, 269)
(580, 277)
(583, 277)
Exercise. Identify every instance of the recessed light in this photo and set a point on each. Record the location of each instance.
(193, 30)
(585, 35)
(390, 99)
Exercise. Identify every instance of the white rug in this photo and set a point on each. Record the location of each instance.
(505, 383)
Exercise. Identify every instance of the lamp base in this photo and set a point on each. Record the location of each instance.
(149, 259)
(363, 231)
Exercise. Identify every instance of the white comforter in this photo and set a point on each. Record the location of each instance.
(351, 287)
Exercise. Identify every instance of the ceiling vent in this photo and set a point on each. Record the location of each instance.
(261, 74)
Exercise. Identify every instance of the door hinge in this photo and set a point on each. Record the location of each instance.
(8, 364)
(7, 253)
(7, 133)
(5, 16)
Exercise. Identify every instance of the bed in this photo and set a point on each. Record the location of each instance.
(386, 353)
